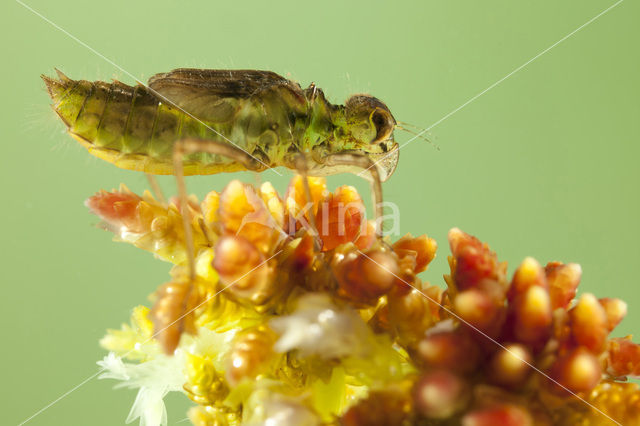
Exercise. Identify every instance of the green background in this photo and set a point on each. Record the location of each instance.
(544, 164)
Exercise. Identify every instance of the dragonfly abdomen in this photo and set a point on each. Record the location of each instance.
(130, 127)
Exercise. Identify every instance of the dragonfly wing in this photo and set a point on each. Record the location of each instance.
(242, 83)
(213, 95)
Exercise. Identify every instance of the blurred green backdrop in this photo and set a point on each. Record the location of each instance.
(544, 164)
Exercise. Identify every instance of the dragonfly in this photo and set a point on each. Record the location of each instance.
(202, 121)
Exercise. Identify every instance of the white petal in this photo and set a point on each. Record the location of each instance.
(113, 368)
(155, 378)
(149, 407)
(318, 327)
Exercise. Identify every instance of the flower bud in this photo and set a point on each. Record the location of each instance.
(589, 323)
(579, 371)
(145, 223)
(173, 312)
(340, 218)
(532, 316)
(624, 357)
(503, 415)
(478, 309)
(243, 213)
(510, 366)
(367, 236)
(615, 309)
(440, 394)
(297, 207)
(204, 384)
(250, 351)
(529, 274)
(210, 206)
(423, 249)
(243, 270)
(474, 261)
(273, 203)
(563, 282)
(364, 277)
(381, 407)
(118, 208)
(412, 312)
(452, 350)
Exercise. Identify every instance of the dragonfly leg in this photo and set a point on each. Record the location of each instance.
(301, 166)
(365, 163)
(189, 146)
(155, 187)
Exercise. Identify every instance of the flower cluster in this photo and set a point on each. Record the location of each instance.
(286, 326)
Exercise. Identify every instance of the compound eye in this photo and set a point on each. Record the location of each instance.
(383, 123)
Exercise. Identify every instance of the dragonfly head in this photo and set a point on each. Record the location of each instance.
(370, 125)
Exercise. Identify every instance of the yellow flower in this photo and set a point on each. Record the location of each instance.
(133, 341)
(280, 326)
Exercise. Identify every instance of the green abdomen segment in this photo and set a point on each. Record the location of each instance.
(130, 127)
